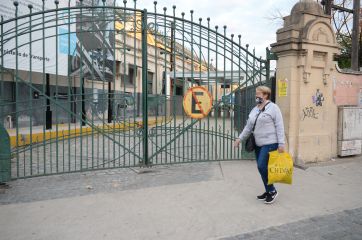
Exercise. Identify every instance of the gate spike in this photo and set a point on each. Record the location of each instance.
(182, 14)
(155, 3)
(30, 6)
(16, 3)
(208, 19)
(56, 2)
(165, 9)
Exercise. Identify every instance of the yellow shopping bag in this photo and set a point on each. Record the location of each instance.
(280, 168)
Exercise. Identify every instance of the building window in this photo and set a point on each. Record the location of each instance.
(179, 90)
(131, 75)
(150, 82)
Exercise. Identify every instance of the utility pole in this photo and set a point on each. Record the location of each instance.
(327, 6)
(355, 35)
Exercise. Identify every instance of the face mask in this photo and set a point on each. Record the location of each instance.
(259, 100)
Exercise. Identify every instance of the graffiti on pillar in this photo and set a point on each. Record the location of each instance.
(318, 98)
(346, 83)
(309, 112)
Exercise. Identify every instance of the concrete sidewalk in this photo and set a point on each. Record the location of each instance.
(190, 201)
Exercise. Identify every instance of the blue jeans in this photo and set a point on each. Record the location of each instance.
(262, 158)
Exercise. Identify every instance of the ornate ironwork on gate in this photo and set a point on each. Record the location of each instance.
(88, 85)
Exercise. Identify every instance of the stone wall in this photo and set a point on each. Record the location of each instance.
(347, 88)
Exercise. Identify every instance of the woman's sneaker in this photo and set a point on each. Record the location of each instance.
(270, 198)
(262, 197)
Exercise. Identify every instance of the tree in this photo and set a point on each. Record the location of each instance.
(342, 21)
(344, 59)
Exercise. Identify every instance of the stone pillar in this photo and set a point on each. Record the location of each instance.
(305, 48)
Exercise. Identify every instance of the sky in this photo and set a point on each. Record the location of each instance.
(250, 18)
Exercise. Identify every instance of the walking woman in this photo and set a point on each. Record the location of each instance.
(269, 136)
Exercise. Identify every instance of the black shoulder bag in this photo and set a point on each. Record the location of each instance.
(250, 141)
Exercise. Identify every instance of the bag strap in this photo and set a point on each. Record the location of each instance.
(258, 116)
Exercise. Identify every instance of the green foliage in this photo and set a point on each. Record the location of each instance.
(344, 59)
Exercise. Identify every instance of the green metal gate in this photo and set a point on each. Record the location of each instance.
(92, 85)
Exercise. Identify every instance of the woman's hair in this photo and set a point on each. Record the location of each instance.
(265, 90)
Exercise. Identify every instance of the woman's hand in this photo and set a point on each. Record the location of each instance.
(237, 143)
(281, 149)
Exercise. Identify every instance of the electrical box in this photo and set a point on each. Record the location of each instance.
(349, 131)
